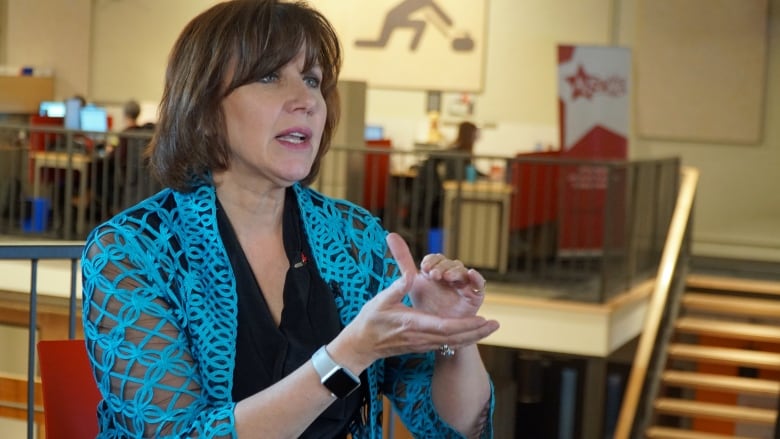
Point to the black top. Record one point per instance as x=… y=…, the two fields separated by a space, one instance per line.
x=266 y=353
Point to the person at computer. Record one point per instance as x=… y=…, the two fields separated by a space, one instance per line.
x=459 y=165
x=452 y=163
x=127 y=152
x=130 y=111
x=240 y=302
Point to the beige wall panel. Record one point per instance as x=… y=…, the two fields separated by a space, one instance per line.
x=131 y=41
x=3 y=29
x=52 y=35
x=701 y=69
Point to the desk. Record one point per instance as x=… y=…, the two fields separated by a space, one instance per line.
x=79 y=162
x=476 y=223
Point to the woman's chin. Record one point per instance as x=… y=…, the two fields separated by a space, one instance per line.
x=294 y=177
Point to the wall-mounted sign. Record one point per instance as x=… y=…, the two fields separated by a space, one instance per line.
x=411 y=44
x=594 y=86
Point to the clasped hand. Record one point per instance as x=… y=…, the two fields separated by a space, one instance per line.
x=445 y=296
x=442 y=286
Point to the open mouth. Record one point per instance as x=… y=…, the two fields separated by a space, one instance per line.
x=293 y=137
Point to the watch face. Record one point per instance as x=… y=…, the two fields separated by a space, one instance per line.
x=341 y=383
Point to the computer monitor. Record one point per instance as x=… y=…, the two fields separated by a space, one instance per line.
x=73 y=114
x=374 y=132
x=93 y=119
x=51 y=109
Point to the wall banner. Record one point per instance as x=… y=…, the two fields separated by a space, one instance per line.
x=594 y=88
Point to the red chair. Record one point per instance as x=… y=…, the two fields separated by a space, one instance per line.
x=534 y=209
x=535 y=195
x=70 y=395
x=377 y=170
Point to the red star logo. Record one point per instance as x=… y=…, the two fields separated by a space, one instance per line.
x=582 y=84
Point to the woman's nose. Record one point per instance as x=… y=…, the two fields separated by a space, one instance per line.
x=302 y=97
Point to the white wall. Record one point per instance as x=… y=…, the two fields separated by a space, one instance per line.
x=738 y=204
x=52 y=35
x=738 y=207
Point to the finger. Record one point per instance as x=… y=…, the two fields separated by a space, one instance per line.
x=468 y=337
x=423 y=333
x=478 y=282
x=431 y=260
x=464 y=337
x=439 y=267
x=395 y=292
x=401 y=253
x=466 y=279
x=445 y=326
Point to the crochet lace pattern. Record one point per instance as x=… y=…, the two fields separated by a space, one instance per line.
x=159 y=311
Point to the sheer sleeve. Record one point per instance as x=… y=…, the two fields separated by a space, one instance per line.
x=136 y=330
x=408 y=386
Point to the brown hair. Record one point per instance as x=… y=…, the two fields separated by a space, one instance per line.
x=467 y=135
x=131 y=109
x=229 y=45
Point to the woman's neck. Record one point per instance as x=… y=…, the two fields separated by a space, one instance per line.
x=252 y=212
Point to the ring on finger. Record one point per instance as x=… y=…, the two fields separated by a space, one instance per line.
x=479 y=290
x=446 y=351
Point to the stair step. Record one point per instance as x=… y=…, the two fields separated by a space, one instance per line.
x=735 y=330
x=731 y=305
x=698 y=409
x=736 y=305
x=725 y=383
x=736 y=357
x=739 y=285
x=676 y=433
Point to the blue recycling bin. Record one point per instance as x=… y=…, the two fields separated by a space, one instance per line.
x=36 y=216
x=436 y=241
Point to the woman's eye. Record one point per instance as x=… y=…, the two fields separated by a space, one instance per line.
x=267 y=79
x=312 y=81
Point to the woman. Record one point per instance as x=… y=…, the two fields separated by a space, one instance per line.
x=240 y=303
x=456 y=166
x=454 y=163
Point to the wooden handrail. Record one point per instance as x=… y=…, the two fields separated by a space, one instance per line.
x=669 y=258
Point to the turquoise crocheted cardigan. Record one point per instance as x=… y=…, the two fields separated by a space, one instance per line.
x=160 y=317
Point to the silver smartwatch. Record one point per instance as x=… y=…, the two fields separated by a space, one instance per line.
x=338 y=379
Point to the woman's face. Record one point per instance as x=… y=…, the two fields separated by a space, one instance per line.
x=274 y=125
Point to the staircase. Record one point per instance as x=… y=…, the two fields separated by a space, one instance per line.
x=722 y=373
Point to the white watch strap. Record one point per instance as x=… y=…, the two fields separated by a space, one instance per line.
x=323 y=363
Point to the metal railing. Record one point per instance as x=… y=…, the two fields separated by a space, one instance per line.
x=576 y=229
x=650 y=353
x=58 y=183
x=581 y=230
x=35 y=253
